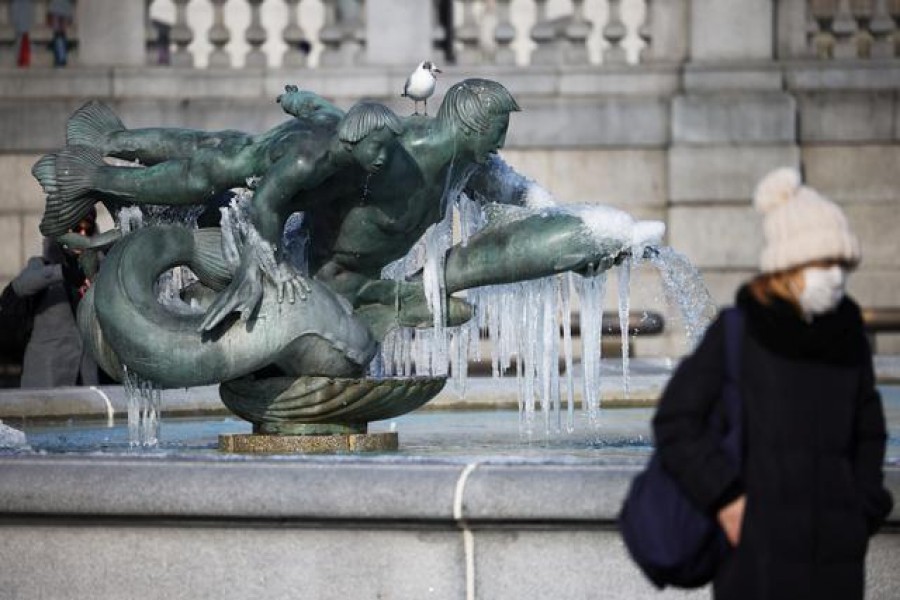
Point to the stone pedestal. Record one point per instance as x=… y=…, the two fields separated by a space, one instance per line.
x=398 y=32
x=731 y=30
x=111 y=33
x=253 y=443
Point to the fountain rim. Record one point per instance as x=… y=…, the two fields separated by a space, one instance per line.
x=271 y=489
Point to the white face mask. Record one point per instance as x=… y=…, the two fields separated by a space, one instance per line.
x=823 y=289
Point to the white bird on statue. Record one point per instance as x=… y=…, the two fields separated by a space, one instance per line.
x=420 y=85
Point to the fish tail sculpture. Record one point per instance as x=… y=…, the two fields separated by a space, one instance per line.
x=126 y=323
x=91 y=125
x=67 y=180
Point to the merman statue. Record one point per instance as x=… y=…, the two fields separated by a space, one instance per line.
x=369 y=185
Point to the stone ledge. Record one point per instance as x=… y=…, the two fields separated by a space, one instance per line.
x=717 y=78
x=843 y=75
x=301 y=489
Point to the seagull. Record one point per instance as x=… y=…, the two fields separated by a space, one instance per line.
x=420 y=85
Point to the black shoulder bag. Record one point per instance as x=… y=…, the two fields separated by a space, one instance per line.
x=672 y=541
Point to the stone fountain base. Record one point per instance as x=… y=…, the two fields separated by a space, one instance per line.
x=320 y=415
x=336 y=529
x=261 y=443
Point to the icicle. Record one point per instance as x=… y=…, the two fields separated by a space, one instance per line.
x=295 y=243
x=406 y=343
x=377 y=368
x=143 y=410
x=566 y=302
x=460 y=366
x=550 y=353
x=593 y=287
x=624 y=310
x=130 y=218
x=437 y=241
x=471 y=218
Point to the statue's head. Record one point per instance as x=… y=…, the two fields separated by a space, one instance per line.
x=478 y=112
x=368 y=131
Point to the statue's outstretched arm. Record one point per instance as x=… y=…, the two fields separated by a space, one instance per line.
x=549 y=241
x=496 y=181
x=533 y=247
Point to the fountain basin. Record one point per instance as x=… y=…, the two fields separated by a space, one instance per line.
x=496 y=518
x=117 y=527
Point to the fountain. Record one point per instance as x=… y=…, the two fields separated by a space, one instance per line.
x=371 y=331
x=299 y=342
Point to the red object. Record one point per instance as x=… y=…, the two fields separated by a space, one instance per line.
x=24 y=58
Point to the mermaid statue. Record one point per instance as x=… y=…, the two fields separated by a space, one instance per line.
x=368 y=183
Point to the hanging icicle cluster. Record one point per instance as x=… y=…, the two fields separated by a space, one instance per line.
x=529 y=324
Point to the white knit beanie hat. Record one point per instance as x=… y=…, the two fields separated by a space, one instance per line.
x=800 y=225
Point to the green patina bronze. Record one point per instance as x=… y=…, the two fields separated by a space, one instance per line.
x=369 y=184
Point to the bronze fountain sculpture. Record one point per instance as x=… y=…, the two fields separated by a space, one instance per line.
x=290 y=347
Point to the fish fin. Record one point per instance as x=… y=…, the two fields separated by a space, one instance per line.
x=207 y=261
x=67 y=179
x=90 y=124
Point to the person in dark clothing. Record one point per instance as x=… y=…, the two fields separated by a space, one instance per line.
x=54 y=285
x=799 y=513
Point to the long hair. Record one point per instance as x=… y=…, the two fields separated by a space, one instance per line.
x=365 y=117
x=785 y=285
x=471 y=104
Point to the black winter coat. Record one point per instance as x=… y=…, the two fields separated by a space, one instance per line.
x=814 y=443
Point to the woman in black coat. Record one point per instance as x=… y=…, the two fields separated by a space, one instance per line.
x=799 y=513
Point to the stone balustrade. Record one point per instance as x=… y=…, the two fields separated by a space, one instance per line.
x=322 y=33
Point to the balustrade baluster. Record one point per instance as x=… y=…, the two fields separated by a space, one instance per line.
x=543 y=33
x=355 y=26
x=504 y=34
x=41 y=34
x=468 y=36
x=823 y=11
x=862 y=11
x=894 y=11
x=844 y=29
x=614 y=33
x=343 y=34
x=645 y=33
x=577 y=32
x=182 y=36
x=256 y=37
x=294 y=37
x=812 y=34
x=881 y=28
x=439 y=40
x=330 y=35
x=150 y=37
x=7 y=36
x=219 y=36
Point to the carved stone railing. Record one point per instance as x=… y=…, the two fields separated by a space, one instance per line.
x=223 y=34
x=839 y=29
x=311 y=33
x=40 y=35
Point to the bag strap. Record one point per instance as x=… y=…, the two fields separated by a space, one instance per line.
x=734 y=337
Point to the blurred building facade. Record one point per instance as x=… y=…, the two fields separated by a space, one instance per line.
x=669 y=109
